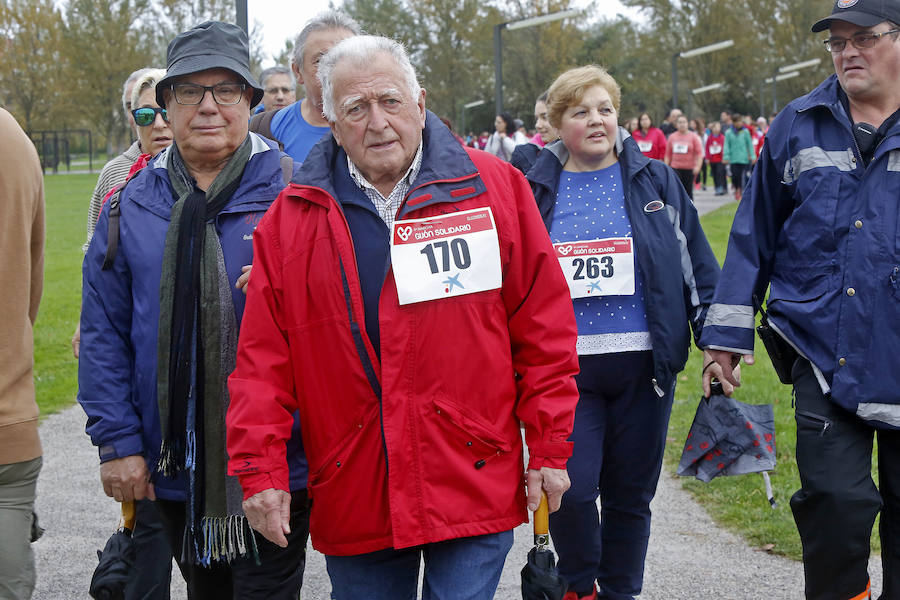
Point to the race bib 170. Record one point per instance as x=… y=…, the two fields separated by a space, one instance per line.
x=446 y=255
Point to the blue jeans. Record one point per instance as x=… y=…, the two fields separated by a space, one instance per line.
x=619 y=437
x=461 y=569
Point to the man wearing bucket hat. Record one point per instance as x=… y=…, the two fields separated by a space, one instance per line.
x=818 y=226
x=162 y=306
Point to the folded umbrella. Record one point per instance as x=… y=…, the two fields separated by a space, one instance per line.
x=116 y=561
x=729 y=437
x=540 y=580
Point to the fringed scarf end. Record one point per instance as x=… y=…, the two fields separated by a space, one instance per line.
x=227 y=538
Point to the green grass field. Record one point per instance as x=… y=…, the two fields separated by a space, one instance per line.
x=67 y=199
x=738 y=503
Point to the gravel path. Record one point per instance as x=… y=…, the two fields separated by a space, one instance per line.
x=689 y=556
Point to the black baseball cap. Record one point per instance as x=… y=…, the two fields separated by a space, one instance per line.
x=210 y=45
x=864 y=13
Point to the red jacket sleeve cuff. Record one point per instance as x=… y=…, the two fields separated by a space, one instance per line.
x=549 y=454
x=254 y=483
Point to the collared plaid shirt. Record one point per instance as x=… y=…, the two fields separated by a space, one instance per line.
x=387 y=207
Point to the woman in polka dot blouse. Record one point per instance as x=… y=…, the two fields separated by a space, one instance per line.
x=641 y=275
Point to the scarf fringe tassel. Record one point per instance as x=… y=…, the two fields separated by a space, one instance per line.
x=227 y=538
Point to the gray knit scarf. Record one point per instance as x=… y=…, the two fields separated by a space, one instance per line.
x=196 y=352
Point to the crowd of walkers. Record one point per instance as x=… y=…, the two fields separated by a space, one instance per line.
x=335 y=319
x=701 y=153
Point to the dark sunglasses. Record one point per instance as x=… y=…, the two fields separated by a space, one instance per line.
x=145 y=116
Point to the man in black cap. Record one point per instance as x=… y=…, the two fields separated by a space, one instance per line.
x=162 y=305
x=818 y=225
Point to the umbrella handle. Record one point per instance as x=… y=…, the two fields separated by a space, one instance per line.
x=542 y=517
x=128 y=515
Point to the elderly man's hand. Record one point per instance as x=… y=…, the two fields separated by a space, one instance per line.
x=127 y=479
x=554 y=481
x=269 y=512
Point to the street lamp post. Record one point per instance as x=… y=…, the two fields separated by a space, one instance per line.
x=786 y=72
x=240 y=13
x=773 y=81
x=465 y=106
x=689 y=54
x=702 y=90
x=498 y=46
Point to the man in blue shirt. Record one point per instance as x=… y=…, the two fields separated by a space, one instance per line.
x=301 y=125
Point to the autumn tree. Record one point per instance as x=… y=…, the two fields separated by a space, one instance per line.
x=105 y=41
x=31 y=62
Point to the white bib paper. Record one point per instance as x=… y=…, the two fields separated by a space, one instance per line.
x=645 y=146
x=680 y=148
x=444 y=256
x=598 y=267
x=715 y=148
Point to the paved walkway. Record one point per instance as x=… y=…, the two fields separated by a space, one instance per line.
x=689 y=556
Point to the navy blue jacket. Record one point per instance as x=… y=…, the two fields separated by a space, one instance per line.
x=676 y=263
x=120 y=307
x=821 y=230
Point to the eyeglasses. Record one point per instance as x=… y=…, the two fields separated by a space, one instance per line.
x=147 y=115
x=274 y=90
x=860 y=41
x=223 y=93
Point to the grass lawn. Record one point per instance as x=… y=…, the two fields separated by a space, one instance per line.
x=67 y=199
x=739 y=503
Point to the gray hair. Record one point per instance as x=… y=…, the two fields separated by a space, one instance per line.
x=146 y=81
x=330 y=19
x=131 y=79
x=358 y=50
x=276 y=70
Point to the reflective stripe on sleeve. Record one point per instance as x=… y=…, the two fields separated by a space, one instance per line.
x=730 y=315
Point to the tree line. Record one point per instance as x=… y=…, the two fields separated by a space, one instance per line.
x=63 y=62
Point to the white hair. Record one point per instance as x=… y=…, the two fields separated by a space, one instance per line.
x=330 y=19
x=359 y=50
x=131 y=78
x=146 y=81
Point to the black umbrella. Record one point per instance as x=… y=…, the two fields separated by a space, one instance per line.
x=116 y=560
x=540 y=580
x=729 y=437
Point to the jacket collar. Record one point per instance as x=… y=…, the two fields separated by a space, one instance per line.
x=151 y=189
x=447 y=174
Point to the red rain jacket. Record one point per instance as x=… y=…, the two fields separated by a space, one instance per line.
x=423 y=445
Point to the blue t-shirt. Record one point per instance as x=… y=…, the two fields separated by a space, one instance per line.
x=591 y=206
x=298 y=136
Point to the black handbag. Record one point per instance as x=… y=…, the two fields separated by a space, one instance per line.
x=780 y=352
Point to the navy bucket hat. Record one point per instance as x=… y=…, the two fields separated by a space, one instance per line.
x=210 y=45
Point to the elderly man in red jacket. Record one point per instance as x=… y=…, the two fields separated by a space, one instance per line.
x=405 y=298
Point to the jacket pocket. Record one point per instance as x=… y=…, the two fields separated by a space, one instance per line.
x=810 y=230
x=351 y=448
x=810 y=422
x=468 y=434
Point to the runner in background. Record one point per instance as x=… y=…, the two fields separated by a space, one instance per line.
x=715 y=144
x=684 y=153
x=650 y=139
